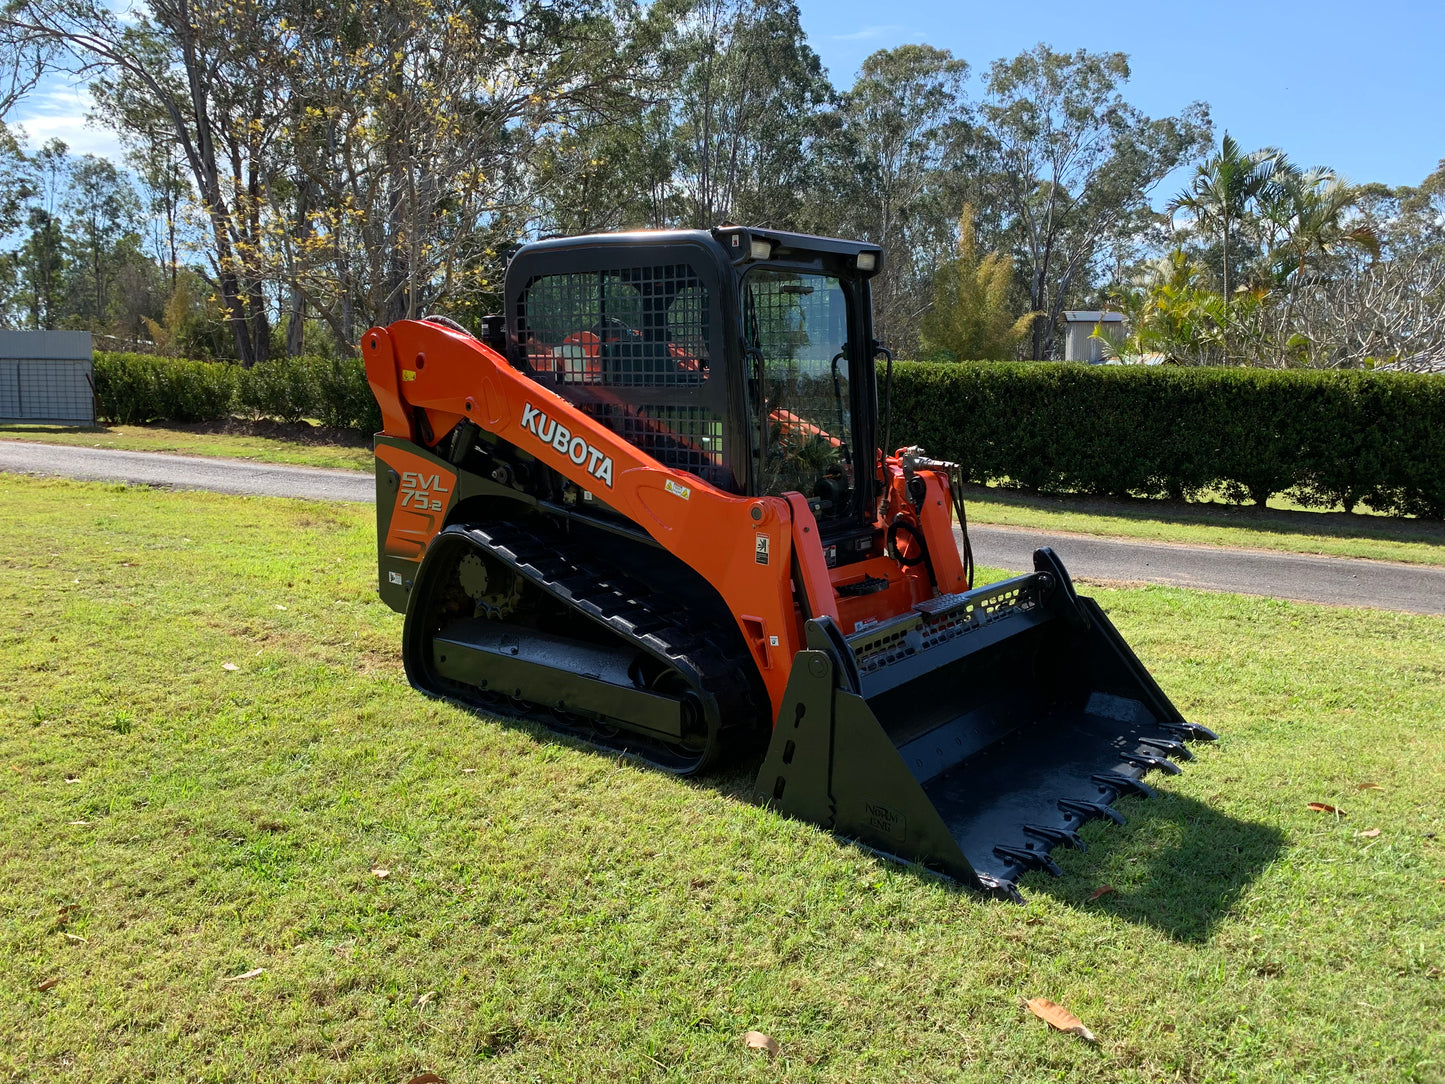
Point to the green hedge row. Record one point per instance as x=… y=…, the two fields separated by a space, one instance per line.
x=138 y=388
x=1325 y=438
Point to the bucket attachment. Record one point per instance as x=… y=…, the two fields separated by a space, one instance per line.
x=975 y=733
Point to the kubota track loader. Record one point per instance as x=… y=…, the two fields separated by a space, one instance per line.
x=646 y=508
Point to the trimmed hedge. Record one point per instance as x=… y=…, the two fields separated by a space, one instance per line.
x=137 y=388
x=1326 y=438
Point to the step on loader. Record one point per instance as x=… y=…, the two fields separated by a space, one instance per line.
x=646 y=508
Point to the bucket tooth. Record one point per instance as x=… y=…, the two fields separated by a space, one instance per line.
x=1123 y=784
x=1164 y=764
x=1190 y=731
x=1089 y=810
x=1028 y=859
x=1055 y=837
x=1176 y=749
x=1000 y=887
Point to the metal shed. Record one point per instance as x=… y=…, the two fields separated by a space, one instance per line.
x=46 y=377
x=1079 y=324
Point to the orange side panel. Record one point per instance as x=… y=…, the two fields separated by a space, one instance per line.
x=423 y=498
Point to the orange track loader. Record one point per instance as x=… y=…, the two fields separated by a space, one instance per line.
x=646 y=508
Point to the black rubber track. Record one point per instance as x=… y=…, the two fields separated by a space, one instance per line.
x=709 y=657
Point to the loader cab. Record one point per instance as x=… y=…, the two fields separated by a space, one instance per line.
x=742 y=356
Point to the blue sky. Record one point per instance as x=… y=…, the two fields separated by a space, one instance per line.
x=1357 y=87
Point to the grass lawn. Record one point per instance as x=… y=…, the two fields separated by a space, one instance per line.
x=299 y=444
x=168 y=824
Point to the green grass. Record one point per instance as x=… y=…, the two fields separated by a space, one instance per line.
x=299 y=444
x=554 y=914
x=1279 y=526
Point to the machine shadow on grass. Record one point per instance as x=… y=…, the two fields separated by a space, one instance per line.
x=1188 y=863
x=1182 y=865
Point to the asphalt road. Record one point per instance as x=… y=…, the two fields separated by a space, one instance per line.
x=1338 y=581
x=238 y=476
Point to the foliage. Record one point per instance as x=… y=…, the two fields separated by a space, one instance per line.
x=745 y=108
x=1329 y=438
x=1222 y=189
x=321 y=169
x=1285 y=285
x=138 y=388
x=896 y=133
x=971 y=316
x=1073 y=163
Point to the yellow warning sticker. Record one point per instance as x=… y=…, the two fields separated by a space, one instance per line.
x=678 y=491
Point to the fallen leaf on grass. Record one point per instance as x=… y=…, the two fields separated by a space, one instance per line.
x=1321 y=807
x=76 y=938
x=279 y=606
x=380 y=873
x=756 y=1040
x=468 y=771
x=1056 y=1016
x=1369 y=786
x=17 y=769
x=421 y=1002
x=426 y=1078
x=255 y=972
x=229 y=666
x=48 y=983
x=1102 y=890
x=81 y=823
x=1368 y=833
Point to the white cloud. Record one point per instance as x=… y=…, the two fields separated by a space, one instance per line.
x=57 y=110
x=867 y=33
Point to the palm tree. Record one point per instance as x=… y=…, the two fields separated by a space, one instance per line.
x=1223 y=187
x=1310 y=215
x=1318 y=203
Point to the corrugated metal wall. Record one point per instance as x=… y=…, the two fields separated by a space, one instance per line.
x=45 y=376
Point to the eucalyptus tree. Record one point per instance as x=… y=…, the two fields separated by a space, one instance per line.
x=185 y=65
x=745 y=107
x=369 y=158
x=17 y=181
x=1072 y=164
x=888 y=179
x=103 y=212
